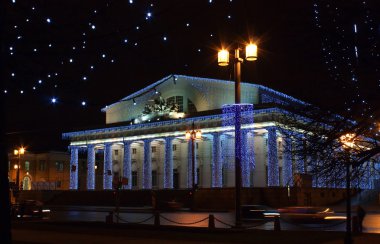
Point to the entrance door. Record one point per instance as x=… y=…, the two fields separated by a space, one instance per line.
x=26 y=183
x=175 y=179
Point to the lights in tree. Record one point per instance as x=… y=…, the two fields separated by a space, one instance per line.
x=39 y=81
x=93 y=27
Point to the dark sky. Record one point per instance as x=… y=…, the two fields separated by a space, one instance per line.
x=42 y=36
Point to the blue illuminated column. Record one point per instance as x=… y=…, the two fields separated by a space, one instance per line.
x=245 y=159
x=168 y=165
x=300 y=164
x=74 y=168
x=127 y=164
x=147 y=167
x=251 y=155
x=189 y=164
x=107 y=170
x=273 y=174
x=90 y=167
x=216 y=166
x=287 y=164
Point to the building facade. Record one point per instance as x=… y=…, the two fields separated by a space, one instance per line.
x=144 y=139
x=40 y=171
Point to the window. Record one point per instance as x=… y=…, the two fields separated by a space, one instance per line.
x=27 y=165
x=42 y=165
x=59 y=184
x=134 y=150
x=116 y=152
x=134 y=178
x=154 y=149
x=174 y=147
x=175 y=179
x=59 y=166
x=176 y=100
x=196 y=145
x=154 y=178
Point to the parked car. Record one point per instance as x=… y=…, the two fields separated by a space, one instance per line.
x=29 y=209
x=258 y=212
x=309 y=215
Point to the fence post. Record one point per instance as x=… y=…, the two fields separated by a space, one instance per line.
x=355 y=224
x=277 y=225
x=211 y=221
x=109 y=218
x=156 y=218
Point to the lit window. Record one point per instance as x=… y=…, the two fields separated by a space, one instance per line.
x=27 y=165
x=59 y=166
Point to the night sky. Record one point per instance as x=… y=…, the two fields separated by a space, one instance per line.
x=87 y=54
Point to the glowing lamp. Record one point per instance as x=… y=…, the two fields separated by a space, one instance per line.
x=198 y=134
x=15 y=166
x=188 y=135
x=22 y=150
x=251 y=52
x=15 y=152
x=223 y=57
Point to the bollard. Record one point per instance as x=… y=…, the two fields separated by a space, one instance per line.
x=156 y=218
x=277 y=225
x=211 y=221
x=109 y=218
x=355 y=224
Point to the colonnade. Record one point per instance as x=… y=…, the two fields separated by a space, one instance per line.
x=216 y=161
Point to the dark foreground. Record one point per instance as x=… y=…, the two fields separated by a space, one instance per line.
x=85 y=232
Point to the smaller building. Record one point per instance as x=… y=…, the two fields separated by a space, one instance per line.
x=40 y=171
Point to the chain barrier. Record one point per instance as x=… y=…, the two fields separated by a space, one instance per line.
x=313 y=227
x=178 y=223
x=130 y=222
x=220 y=221
x=259 y=224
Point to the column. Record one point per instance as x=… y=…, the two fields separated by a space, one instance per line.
x=168 y=164
x=189 y=164
x=245 y=159
x=273 y=178
x=107 y=169
x=251 y=157
x=216 y=166
x=74 y=168
x=147 y=166
x=90 y=167
x=127 y=164
x=287 y=164
x=299 y=155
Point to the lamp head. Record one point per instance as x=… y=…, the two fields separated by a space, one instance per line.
x=223 y=57
x=251 y=52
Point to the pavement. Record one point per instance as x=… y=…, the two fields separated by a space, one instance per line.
x=97 y=232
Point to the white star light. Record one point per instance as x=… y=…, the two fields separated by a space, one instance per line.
x=49 y=45
x=70 y=60
x=83 y=103
x=93 y=27
x=130 y=1
x=22 y=92
x=84 y=78
x=53 y=100
x=48 y=20
x=91 y=67
x=39 y=81
x=13 y=74
x=103 y=56
x=5 y=91
x=165 y=38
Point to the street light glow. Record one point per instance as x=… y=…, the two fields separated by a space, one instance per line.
x=223 y=57
x=251 y=52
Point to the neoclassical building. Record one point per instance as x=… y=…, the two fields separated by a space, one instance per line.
x=144 y=138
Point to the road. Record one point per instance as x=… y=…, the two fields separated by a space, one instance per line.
x=371 y=222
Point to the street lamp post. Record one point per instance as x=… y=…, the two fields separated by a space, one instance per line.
x=223 y=60
x=18 y=152
x=348 y=143
x=193 y=135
